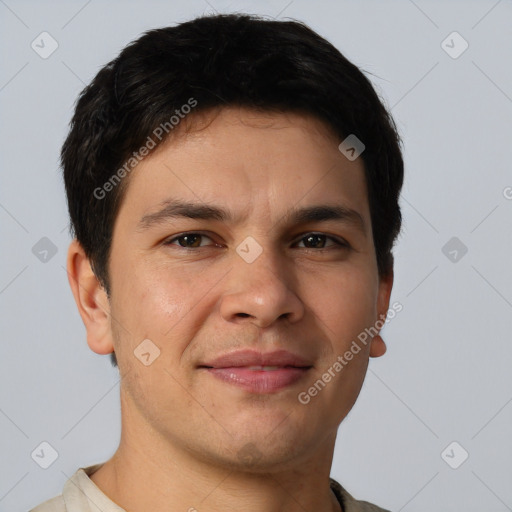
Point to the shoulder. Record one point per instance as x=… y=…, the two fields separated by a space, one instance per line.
x=78 y=495
x=52 y=505
x=349 y=503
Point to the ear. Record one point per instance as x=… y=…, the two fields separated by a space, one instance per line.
x=378 y=346
x=91 y=300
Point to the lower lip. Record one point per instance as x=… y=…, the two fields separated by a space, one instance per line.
x=259 y=381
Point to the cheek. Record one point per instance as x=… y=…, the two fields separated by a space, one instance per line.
x=160 y=303
x=345 y=306
x=154 y=305
x=345 y=301
x=151 y=293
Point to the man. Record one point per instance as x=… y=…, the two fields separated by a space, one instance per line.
x=233 y=189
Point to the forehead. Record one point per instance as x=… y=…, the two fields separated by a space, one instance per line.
x=261 y=162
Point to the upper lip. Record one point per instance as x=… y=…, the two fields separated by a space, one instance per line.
x=241 y=358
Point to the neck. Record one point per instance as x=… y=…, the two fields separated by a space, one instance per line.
x=140 y=479
x=140 y=488
x=150 y=472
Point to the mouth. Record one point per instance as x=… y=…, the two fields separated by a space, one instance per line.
x=258 y=372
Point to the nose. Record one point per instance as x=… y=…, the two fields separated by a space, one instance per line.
x=261 y=292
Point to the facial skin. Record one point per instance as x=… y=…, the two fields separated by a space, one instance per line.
x=184 y=432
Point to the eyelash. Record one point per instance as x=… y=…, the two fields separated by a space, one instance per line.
x=342 y=244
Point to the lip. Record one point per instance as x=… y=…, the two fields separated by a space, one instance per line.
x=242 y=358
x=245 y=369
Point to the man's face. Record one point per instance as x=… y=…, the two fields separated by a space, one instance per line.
x=262 y=280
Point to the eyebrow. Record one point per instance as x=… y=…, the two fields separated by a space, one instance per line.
x=174 y=208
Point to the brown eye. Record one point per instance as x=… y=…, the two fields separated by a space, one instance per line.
x=318 y=241
x=315 y=241
x=188 y=240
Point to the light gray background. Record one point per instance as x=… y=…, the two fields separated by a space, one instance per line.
x=447 y=374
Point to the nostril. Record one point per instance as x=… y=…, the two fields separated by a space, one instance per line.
x=244 y=315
